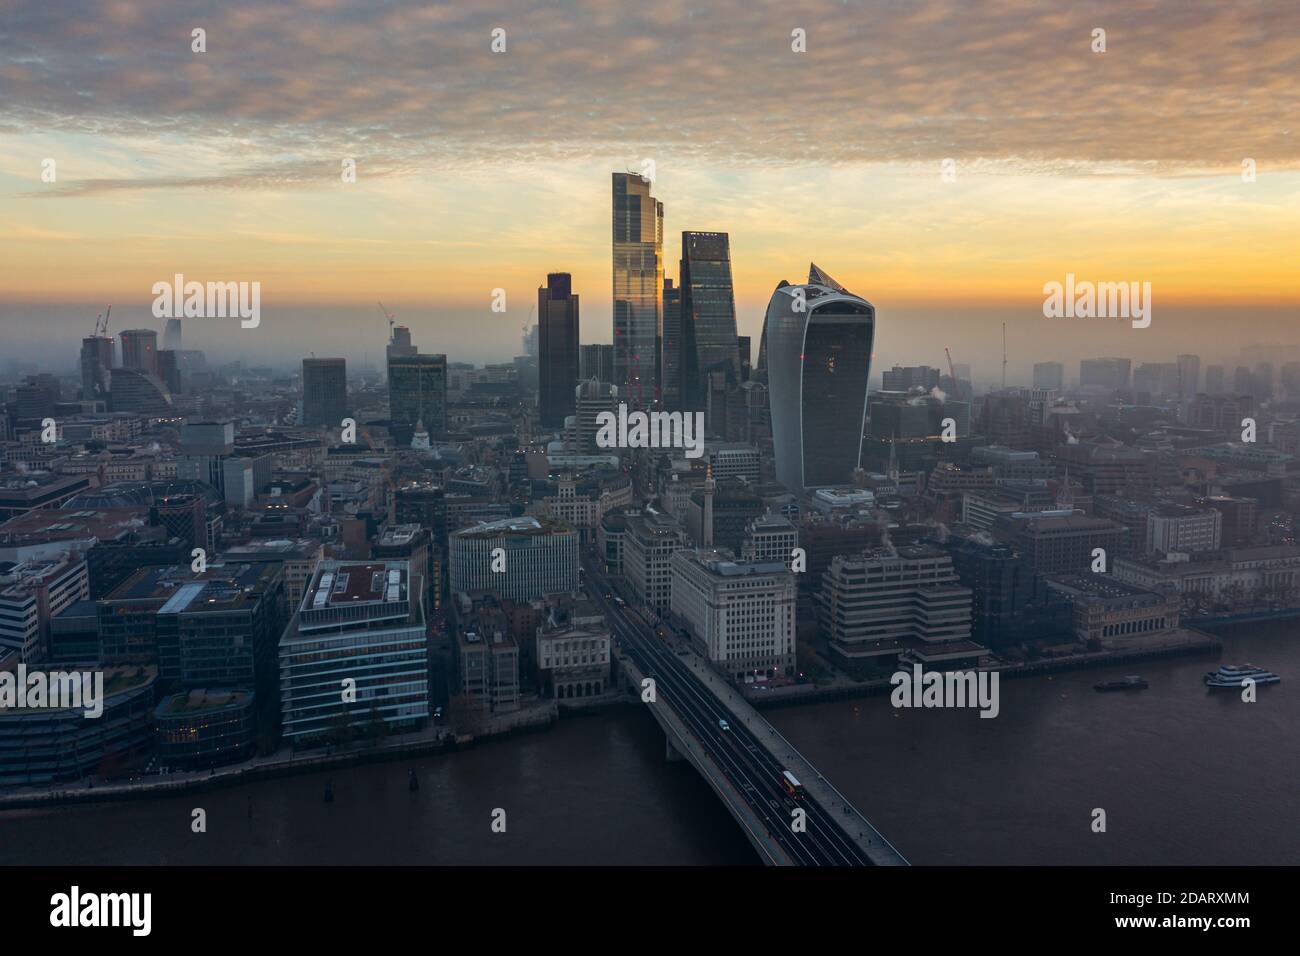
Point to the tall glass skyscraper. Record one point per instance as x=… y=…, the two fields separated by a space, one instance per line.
x=816 y=346
x=557 y=338
x=638 y=288
x=709 y=342
x=670 y=357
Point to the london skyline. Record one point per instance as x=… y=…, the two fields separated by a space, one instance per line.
x=168 y=161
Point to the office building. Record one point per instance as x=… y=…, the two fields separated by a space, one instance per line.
x=557 y=359
x=893 y=602
x=32 y=593
x=417 y=392
x=40 y=746
x=1049 y=375
x=818 y=340
x=1108 y=373
x=140 y=350
x=740 y=613
x=1189 y=376
x=596 y=361
x=638 y=234
x=536 y=557
x=648 y=543
x=96 y=364
x=708 y=318
x=1173 y=528
x=139 y=391
x=324 y=392
x=362 y=622
x=670 y=358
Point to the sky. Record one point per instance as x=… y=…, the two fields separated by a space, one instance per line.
x=479 y=170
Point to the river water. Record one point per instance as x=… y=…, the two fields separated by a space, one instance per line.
x=1184 y=777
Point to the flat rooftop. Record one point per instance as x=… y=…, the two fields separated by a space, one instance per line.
x=356 y=583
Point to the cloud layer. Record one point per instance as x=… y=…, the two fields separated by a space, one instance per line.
x=411 y=84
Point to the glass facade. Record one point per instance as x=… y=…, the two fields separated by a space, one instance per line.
x=709 y=342
x=816 y=347
x=557 y=337
x=638 y=288
x=671 y=354
x=324 y=392
x=417 y=391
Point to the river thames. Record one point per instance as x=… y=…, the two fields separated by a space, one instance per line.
x=1185 y=776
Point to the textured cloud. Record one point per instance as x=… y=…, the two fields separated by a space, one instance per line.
x=1183 y=85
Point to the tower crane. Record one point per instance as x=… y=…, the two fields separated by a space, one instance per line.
x=392 y=319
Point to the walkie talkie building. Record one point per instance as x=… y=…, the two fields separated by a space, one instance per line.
x=817 y=341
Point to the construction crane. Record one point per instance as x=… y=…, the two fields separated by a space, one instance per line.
x=952 y=371
x=392 y=319
x=101 y=322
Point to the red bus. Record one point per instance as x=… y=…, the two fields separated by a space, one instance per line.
x=791 y=784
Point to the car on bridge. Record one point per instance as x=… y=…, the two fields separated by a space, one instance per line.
x=724 y=725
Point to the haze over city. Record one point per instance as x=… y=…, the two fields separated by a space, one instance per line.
x=478 y=171
x=843 y=434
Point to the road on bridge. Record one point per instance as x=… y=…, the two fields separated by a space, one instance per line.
x=745 y=761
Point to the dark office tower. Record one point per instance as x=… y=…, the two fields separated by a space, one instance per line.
x=1241 y=380
x=1049 y=375
x=1214 y=379
x=709 y=342
x=638 y=288
x=1263 y=381
x=670 y=358
x=400 y=342
x=140 y=350
x=596 y=361
x=557 y=346
x=900 y=379
x=172 y=335
x=324 y=392
x=36 y=398
x=1189 y=375
x=96 y=362
x=817 y=347
x=169 y=370
x=417 y=391
x=1109 y=373
x=745 y=347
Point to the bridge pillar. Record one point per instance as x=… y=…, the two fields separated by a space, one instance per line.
x=671 y=754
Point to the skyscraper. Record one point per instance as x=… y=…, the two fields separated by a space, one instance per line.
x=172 y=338
x=709 y=342
x=596 y=361
x=745 y=345
x=1049 y=375
x=638 y=287
x=817 y=341
x=1214 y=379
x=1105 y=372
x=557 y=343
x=324 y=392
x=417 y=391
x=1189 y=375
x=96 y=363
x=670 y=352
x=399 y=342
x=140 y=350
